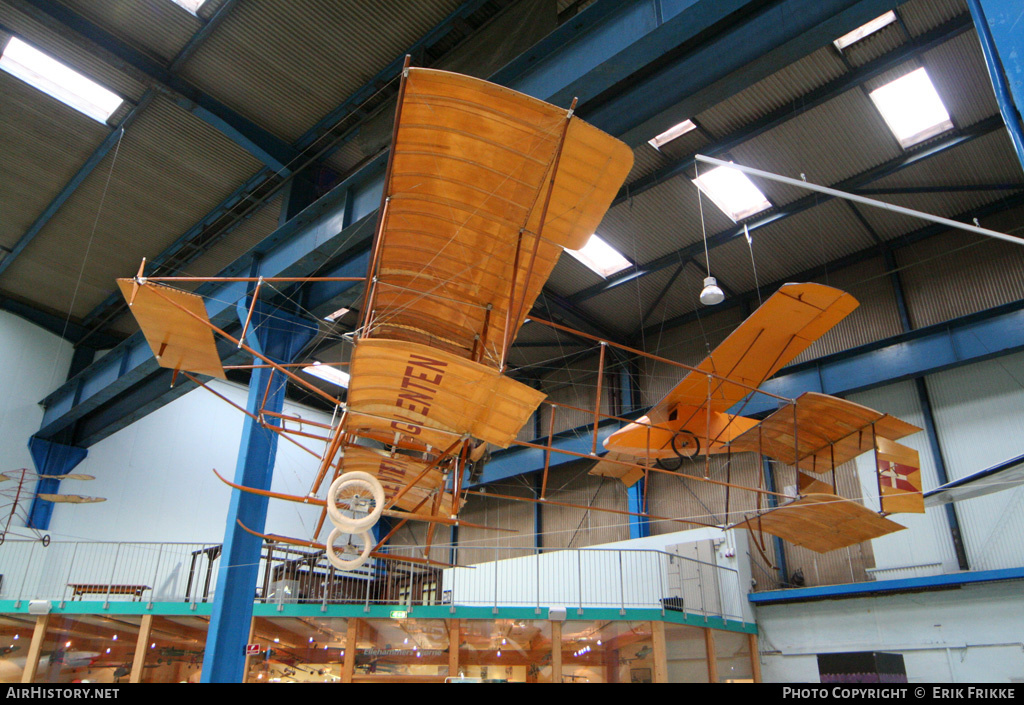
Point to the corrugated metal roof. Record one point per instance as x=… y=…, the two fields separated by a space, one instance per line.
x=160 y=27
x=170 y=170
x=286 y=65
x=837 y=140
x=773 y=92
x=45 y=144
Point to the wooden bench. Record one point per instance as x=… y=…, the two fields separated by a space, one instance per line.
x=80 y=589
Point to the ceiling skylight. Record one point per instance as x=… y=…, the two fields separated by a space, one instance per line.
x=336 y=315
x=672 y=133
x=600 y=257
x=864 y=30
x=191 y=5
x=732 y=192
x=54 y=78
x=912 y=108
x=328 y=373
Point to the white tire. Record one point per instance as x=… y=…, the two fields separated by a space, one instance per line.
x=362 y=482
x=339 y=562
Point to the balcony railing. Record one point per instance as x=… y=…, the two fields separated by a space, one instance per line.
x=183 y=572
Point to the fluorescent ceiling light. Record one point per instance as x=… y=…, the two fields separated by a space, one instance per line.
x=191 y=5
x=672 y=133
x=732 y=192
x=54 y=78
x=600 y=257
x=864 y=30
x=912 y=108
x=328 y=373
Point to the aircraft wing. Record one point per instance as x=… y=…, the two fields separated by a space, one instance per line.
x=822 y=522
x=822 y=432
x=485 y=187
x=783 y=327
x=472 y=164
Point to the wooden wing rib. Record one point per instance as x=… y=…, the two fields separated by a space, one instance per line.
x=179 y=341
x=783 y=327
x=822 y=523
x=471 y=166
x=828 y=432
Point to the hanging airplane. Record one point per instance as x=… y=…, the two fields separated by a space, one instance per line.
x=484 y=189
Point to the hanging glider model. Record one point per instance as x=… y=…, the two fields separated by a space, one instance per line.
x=14 y=491
x=484 y=189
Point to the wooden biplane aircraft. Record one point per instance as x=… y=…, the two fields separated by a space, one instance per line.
x=484 y=189
x=14 y=491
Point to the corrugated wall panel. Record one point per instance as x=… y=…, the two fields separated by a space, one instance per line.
x=922 y=15
x=688 y=344
x=978 y=417
x=926 y=547
x=568 y=527
x=773 y=92
x=483 y=545
x=956 y=274
x=876 y=318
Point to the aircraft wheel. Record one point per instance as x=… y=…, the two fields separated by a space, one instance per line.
x=339 y=562
x=684 y=445
x=355 y=489
x=46 y=540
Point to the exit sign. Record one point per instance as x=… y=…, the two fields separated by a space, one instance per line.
x=399 y=614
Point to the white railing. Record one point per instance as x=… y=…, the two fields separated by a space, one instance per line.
x=81 y=570
x=174 y=572
x=587 y=578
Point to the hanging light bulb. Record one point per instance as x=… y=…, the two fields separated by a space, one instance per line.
x=712 y=293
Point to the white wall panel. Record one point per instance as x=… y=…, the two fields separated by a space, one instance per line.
x=967 y=635
x=926 y=547
x=157 y=476
x=979 y=416
x=32 y=363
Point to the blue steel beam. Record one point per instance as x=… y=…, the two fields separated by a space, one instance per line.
x=199 y=37
x=263 y=145
x=1004 y=25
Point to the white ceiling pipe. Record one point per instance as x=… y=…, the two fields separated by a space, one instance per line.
x=861 y=199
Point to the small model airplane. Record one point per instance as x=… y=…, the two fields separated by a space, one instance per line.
x=484 y=189
x=816 y=433
x=13 y=492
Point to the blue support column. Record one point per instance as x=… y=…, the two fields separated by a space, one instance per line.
x=999 y=31
x=639 y=527
x=281 y=337
x=50 y=459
